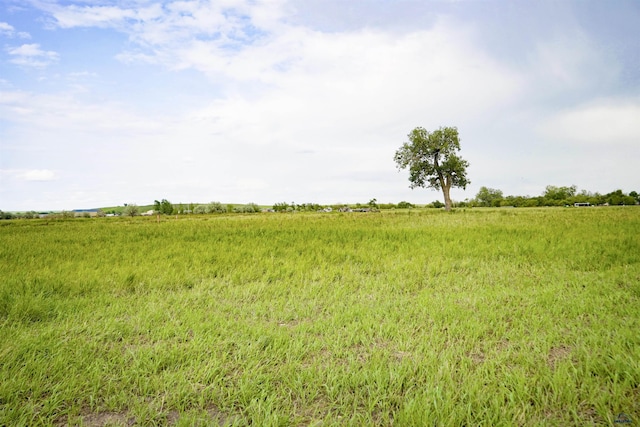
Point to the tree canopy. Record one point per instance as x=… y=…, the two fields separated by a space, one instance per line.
x=163 y=207
x=489 y=197
x=432 y=160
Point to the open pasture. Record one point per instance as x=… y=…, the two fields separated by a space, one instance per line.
x=479 y=317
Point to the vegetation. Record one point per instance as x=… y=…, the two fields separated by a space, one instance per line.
x=131 y=210
x=486 y=197
x=415 y=317
x=489 y=197
x=432 y=160
x=250 y=208
x=163 y=207
x=554 y=196
x=213 y=207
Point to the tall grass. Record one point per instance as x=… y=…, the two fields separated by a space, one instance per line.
x=478 y=317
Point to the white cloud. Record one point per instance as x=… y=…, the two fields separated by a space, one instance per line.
x=91 y=16
x=8 y=30
x=66 y=113
x=611 y=123
x=30 y=55
x=30 y=174
x=570 y=67
x=38 y=175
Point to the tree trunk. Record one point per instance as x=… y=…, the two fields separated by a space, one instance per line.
x=447 y=199
x=445 y=184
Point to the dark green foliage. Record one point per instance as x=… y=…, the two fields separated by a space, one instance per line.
x=6 y=215
x=164 y=206
x=405 y=205
x=617 y=198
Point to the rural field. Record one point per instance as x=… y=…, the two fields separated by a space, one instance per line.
x=490 y=317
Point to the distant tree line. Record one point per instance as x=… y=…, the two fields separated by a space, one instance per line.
x=55 y=215
x=554 y=196
x=486 y=197
x=315 y=207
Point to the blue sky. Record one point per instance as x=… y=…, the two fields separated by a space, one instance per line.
x=106 y=102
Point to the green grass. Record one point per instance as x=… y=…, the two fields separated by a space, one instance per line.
x=477 y=317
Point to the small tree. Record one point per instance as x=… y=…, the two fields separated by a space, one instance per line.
x=67 y=214
x=432 y=160
x=163 y=207
x=131 y=210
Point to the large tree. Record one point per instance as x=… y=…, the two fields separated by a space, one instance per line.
x=432 y=160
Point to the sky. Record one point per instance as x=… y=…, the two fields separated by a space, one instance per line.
x=107 y=102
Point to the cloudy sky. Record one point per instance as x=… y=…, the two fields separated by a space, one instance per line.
x=106 y=102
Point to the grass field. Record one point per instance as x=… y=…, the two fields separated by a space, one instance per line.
x=479 y=317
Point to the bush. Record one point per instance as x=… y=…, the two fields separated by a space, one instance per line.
x=67 y=215
x=405 y=205
x=6 y=215
x=131 y=210
x=200 y=209
x=249 y=208
x=215 y=207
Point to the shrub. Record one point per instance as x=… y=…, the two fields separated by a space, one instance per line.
x=249 y=208
x=131 y=210
x=200 y=209
x=6 y=215
x=215 y=207
x=405 y=205
x=67 y=215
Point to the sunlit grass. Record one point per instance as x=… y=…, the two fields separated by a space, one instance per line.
x=478 y=317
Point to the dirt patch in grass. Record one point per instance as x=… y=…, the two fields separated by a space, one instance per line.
x=558 y=354
x=214 y=416
x=102 y=419
x=477 y=357
x=401 y=356
x=172 y=417
x=220 y=418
